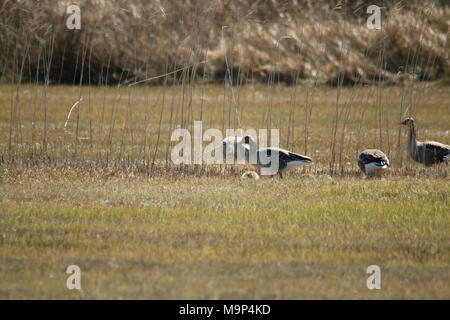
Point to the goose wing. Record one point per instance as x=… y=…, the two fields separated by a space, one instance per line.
x=439 y=149
x=298 y=157
x=287 y=156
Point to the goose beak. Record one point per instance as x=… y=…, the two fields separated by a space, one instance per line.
x=403 y=122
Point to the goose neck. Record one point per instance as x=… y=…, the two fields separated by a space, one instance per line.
x=412 y=134
x=412 y=142
x=252 y=145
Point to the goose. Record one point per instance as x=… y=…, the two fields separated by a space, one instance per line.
x=427 y=152
x=286 y=159
x=373 y=162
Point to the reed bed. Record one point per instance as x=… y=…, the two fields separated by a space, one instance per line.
x=324 y=41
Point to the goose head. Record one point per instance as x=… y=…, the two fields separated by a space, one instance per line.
x=408 y=122
x=248 y=140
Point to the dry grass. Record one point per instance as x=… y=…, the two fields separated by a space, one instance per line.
x=266 y=40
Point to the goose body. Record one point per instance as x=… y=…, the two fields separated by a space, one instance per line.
x=373 y=162
x=427 y=152
x=286 y=159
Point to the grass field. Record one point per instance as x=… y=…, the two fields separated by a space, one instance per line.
x=87 y=194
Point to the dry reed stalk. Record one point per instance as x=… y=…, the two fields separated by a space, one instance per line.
x=160 y=123
x=48 y=58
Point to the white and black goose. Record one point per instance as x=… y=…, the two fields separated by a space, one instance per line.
x=373 y=162
x=260 y=158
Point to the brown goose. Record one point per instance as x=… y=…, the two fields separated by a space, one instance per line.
x=427 y=152
x=286 y=159
x=373 y=162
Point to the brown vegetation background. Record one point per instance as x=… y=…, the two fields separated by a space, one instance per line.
x=276 y=41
